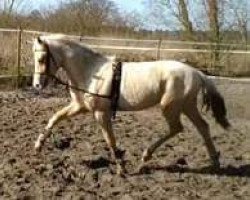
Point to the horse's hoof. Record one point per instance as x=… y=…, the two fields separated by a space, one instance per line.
x=142 y=169
x=120 y=170
x=216 y=161
x=37 y=150
x=37 y=147
x=119 y=153
x=139 y=169
x=216 y=165
x=146 y=156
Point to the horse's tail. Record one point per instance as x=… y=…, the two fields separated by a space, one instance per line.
x=212 y=99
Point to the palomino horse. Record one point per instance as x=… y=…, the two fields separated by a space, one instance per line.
x=173 y=85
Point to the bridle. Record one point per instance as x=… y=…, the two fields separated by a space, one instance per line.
x=50 y=58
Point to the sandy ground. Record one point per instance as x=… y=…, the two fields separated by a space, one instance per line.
x=75 y=162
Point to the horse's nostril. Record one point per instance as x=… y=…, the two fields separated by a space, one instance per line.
x=37 y=85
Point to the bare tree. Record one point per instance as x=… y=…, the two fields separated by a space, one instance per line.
x=240 y=12
x=184 y=18
x=8 y=6
x=225 y=17
x=10 y=11
x=213 y=16
x=89 y=17
x=82 y=16
x=175 y=8
x=215 y=21
x=13 y=6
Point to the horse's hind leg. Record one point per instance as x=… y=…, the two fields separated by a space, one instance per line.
x=193 y=114
x=68 y=111
x=171 y=112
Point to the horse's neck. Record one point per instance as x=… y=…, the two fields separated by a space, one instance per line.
x=81 y=75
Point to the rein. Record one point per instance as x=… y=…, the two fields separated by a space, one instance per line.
x=59 y=81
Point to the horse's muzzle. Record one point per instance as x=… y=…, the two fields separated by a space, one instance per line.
x=40 y=81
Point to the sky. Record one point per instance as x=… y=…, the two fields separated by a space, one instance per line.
x=39 y=4
x=128 y=5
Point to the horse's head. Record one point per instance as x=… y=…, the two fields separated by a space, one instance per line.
x=45 y=64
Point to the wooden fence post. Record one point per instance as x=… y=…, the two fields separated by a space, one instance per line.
x=18 y=58
x=158 y=53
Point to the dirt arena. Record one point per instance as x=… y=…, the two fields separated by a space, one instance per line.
x=75 y=164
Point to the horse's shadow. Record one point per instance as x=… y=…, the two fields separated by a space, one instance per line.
x=240 y=171
x=230 y=171
x=97 y=163
x=104 y=161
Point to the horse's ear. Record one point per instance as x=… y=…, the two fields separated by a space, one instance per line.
x=39 y=40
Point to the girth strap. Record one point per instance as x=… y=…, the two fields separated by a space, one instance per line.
x=115 y=88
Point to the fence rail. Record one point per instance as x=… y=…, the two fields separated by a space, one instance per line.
x=16 y=58
x=128 y=39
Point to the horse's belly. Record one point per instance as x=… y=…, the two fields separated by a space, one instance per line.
x=138 y=99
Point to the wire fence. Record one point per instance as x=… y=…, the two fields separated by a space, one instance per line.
x=16 y=58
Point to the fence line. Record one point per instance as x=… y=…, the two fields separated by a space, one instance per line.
x=132 y=40
x=165 y=41
x=8 y=30
x=234 y=80
x=163 y=49
x=156 y=48
x=158 y=43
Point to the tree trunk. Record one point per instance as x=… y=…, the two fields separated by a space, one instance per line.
x=214 y=27
x=184 y=18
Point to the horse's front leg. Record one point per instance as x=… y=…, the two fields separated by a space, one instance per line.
x=68 y=111
x=104 y=119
